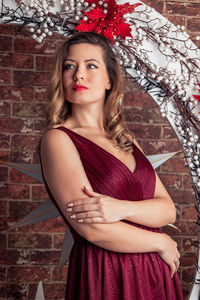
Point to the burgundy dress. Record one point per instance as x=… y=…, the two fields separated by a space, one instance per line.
x=99 y=274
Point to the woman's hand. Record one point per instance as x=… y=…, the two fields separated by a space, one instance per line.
x=169 y=253
x=97 y=208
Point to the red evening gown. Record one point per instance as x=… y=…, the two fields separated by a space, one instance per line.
x=98 y=274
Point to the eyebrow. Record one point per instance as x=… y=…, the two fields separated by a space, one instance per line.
x=91 y=59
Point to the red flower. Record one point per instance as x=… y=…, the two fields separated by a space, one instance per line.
x=197 y=97
x=109 y=24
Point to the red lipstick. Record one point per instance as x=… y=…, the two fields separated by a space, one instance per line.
x=79 y=88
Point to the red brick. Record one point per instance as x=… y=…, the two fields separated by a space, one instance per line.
x=41 y=94
x=5 y=76
x=174 y=164
x=2 y=274
x=190 y=244
x=174 y=8
x=152 y=116
x=188 y=259
x=44 y=257
x=168 y=132
x=44 y=62
x=192 y=9
x=19 y=177
x=21 y=32
x=135 y=98
x=12 y=222
x=57 y=292
x=5 y=43
x=34 y=110
x=3 y=173
x=4 y=224
x=5 y=109
x=26 y=274
x=24 y=142
x=36 y=159
x=22 y=61
x=145 y=132
x=187 y=276
x=4 y=156
x=156 y=4
x=182 y=196
x=60 y=275
x=16 y=191
x=159 y=146
x=39 y=126
x=16 y=93
x=5 y=60
x=133 y=114
x=53 y=225
x=30 y=46
x=30 y=78
x=189 y=213
x=171 y=180
x=177 y=20
x=6 y=29
x=14 y=290
x=3 y=190
x=193 y=24
x=39 y=192
x=186 y=290
x=4 y=141
x=21 y=156
x=187 y=181
x=58 y=241
x=13 y=257
x=188 y=228
x=3 y=208
x=40 y=241
x=15 y=125
x=3 y=239
x=24 y=207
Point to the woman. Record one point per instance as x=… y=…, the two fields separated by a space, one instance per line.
x=107 y=191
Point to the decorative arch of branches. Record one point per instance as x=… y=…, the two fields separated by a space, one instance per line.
x=160 y=56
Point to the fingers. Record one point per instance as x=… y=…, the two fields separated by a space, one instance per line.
x=83 y=208
x=90 y=192
x=85 y=215
x=174 y=266
x=82 y=201
x=172 y=269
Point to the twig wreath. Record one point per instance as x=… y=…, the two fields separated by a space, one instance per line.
x=157 y=54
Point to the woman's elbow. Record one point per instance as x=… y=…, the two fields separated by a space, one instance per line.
x=93 y=234
x=172 y=214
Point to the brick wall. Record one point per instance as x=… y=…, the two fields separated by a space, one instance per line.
x=31 y=253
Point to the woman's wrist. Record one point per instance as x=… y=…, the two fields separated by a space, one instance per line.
x=127 y=209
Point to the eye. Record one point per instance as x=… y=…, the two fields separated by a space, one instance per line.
x=92 y=66
x=68 y=66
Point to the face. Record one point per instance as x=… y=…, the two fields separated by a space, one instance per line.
x=85 y=78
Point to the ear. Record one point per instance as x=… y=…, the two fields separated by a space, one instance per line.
x=108 y=86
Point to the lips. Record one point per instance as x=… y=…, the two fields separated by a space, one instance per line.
x=79 y=88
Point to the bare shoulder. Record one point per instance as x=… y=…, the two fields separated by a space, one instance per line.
x=57 y=141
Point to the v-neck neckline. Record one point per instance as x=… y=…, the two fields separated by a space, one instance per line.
x=107 y=152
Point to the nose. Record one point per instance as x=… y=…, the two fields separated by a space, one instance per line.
x=79 y=73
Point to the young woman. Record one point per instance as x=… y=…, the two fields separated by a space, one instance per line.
x=106 y=189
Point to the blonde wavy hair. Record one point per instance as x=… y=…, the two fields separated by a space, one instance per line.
x=59 y=108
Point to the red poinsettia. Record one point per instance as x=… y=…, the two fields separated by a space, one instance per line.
x=107 y=20
x=197 y=97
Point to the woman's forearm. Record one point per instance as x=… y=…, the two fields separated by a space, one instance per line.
x=122 y=237
x=155 y=212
